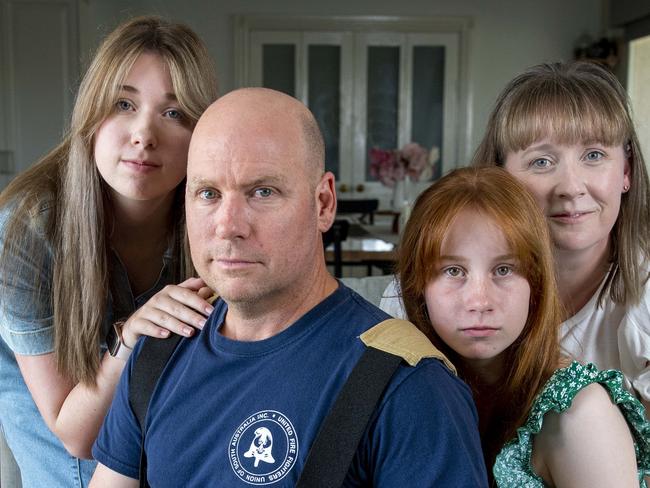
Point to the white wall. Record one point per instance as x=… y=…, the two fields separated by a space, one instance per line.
x=38 y=78
x=507 y=35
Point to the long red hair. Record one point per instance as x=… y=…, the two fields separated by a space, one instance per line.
x=535 y=354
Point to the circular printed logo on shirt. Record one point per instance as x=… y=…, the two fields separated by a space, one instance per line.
x=263 y=448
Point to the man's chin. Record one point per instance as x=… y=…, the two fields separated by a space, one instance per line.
x=240 y=293
x=230 y=284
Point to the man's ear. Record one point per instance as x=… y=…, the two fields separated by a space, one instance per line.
x=326 y=201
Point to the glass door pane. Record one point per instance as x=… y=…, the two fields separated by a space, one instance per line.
x=324 y=98
x=428 y=98
x=279 y=67
x=275 y=62
x=432 y=103
x=382 y=99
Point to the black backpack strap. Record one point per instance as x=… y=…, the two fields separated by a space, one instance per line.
x=388 y=343
x=331 y=453
x=147 y=369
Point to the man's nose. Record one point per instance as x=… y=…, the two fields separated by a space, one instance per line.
x=232 y=218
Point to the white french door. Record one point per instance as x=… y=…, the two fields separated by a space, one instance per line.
x=367 y=89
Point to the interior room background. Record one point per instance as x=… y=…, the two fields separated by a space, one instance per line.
x=45 y=45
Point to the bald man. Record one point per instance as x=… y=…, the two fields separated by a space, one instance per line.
x=240 y=403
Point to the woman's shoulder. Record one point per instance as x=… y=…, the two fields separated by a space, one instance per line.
x=571 y=388
x=584 y=389
x=579 y=408
x=590 y=442
x=32 y=215
x=590 y=404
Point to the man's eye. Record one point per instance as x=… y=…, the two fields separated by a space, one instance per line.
x=503 y=270
x=207 y=194
x=263 y=192
x=124 y=105
x=453 y=271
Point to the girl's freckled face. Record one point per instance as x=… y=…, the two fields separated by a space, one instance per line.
x=478 y=300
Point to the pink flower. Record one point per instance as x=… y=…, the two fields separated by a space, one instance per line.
x=383 y=163
x=416 y=159
x=391 y=165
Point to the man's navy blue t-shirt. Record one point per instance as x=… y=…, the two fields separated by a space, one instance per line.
x=239 y=414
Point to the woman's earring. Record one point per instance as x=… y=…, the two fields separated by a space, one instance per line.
x=625 y=188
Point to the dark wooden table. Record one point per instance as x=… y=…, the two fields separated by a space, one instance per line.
x=367 y=246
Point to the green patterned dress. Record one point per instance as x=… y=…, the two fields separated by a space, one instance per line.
x=513 y=468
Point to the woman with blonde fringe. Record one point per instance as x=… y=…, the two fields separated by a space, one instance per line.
x=566 y=132
x=92 y=238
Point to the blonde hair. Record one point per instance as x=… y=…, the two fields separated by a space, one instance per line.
x=572 y=103
x=67 y=179
x=534 y=356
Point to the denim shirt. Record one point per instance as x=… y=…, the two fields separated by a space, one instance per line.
x=26 y=328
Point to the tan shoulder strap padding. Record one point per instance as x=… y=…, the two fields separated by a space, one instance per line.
x=402 y=338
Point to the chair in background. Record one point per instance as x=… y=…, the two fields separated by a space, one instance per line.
x=364 y=208
x=335 y=235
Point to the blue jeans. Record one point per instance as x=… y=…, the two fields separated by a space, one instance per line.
x=43 y=460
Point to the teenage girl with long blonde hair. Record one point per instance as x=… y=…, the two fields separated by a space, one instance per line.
x=91 y=233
